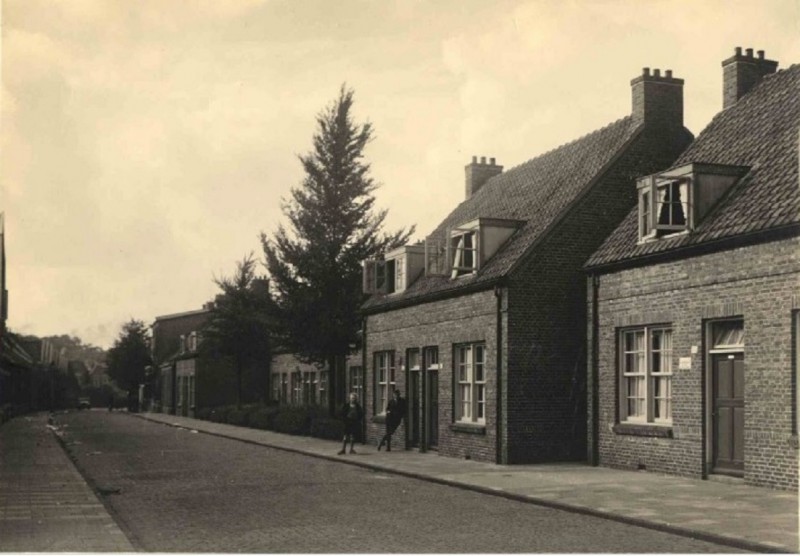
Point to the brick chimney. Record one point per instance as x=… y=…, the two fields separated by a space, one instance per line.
x=657 y=99
x=477 y=173
x=741 y=72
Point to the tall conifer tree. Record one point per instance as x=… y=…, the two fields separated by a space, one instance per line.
x=315 y=266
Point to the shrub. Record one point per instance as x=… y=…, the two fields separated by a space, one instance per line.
x=327 y=427
x=203 y=413
x=220 y=414
x=262 y=418
x=238 y=417
x=292 y=420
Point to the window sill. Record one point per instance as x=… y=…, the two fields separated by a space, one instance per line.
x=656 y=431
x=468 y=428
x=379 y=419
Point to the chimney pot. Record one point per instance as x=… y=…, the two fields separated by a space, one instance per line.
x=474 y=159
x=741 y=73
x=491 y=161
x=656 y=101
x=738 y=50
x=668 y=73
x=478 y=174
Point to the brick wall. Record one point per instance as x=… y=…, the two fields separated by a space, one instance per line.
x=759 y=283
x=445 y=323
x=546 y=386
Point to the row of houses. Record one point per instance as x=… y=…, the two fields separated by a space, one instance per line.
x=631 y=298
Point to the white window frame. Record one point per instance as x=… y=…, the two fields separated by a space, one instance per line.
x=323 y=387
x=357 y=381
x=470 y=383
x=651 y=200
x=650 y=367
x=460 y=252
x=384 y=379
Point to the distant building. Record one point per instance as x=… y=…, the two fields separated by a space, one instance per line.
x=189 y=378
x=694 y=299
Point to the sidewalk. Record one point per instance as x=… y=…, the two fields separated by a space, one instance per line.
x=45 y=505
x=732 y=514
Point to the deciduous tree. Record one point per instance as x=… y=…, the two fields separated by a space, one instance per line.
x=129 y=357
x=239 y=325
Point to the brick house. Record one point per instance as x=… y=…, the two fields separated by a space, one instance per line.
x=482 y=325
x=297 y=383
x=694 y=299
x=188 y=378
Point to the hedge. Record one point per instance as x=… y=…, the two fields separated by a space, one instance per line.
x=297 y=420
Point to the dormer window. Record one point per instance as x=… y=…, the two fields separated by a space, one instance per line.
x=468 y=247
x=675 y=200
x=464 y=246
x=395 y=272
x=664 y=206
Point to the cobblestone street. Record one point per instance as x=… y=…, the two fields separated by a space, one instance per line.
x=174 y=490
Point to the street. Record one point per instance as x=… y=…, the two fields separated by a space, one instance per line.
x=173 y=490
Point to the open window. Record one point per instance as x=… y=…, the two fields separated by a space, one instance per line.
x=396 y=272
x=675 y=200
x=466 y=248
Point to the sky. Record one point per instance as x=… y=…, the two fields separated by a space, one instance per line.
x=147 y=144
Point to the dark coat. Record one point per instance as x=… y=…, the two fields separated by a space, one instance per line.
x=345 y=412
x=395 y=411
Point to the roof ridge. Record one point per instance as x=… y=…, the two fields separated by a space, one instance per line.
x=564 y=145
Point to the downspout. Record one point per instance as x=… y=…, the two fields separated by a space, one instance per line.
x=498 y=294
x=594 y=458
x=364 y=377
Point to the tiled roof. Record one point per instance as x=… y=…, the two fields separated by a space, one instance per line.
x=537 y=192
x=759 y=131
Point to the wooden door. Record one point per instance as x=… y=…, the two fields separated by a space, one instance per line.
x=414 y=409
x=432 y=409
x=728 y=413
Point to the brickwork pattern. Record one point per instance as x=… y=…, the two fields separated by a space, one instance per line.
x=546 y=383
x=758 y=283
x=442 y=324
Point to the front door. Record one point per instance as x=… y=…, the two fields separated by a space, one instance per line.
x=414 y=409
x=432 y=412
x=728 y=413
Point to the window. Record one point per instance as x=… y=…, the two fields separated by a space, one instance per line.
x=276 y=387
x=309 y=388
x=395 y=272
x=470 y=375
x=465 y=253
x=646 y=361
x=323 y=387
x=357 y=381
x=672 y=205
x=413 y=360
x=297 y=388
x=664 y=206
x=384 y=379
x=431 y=355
